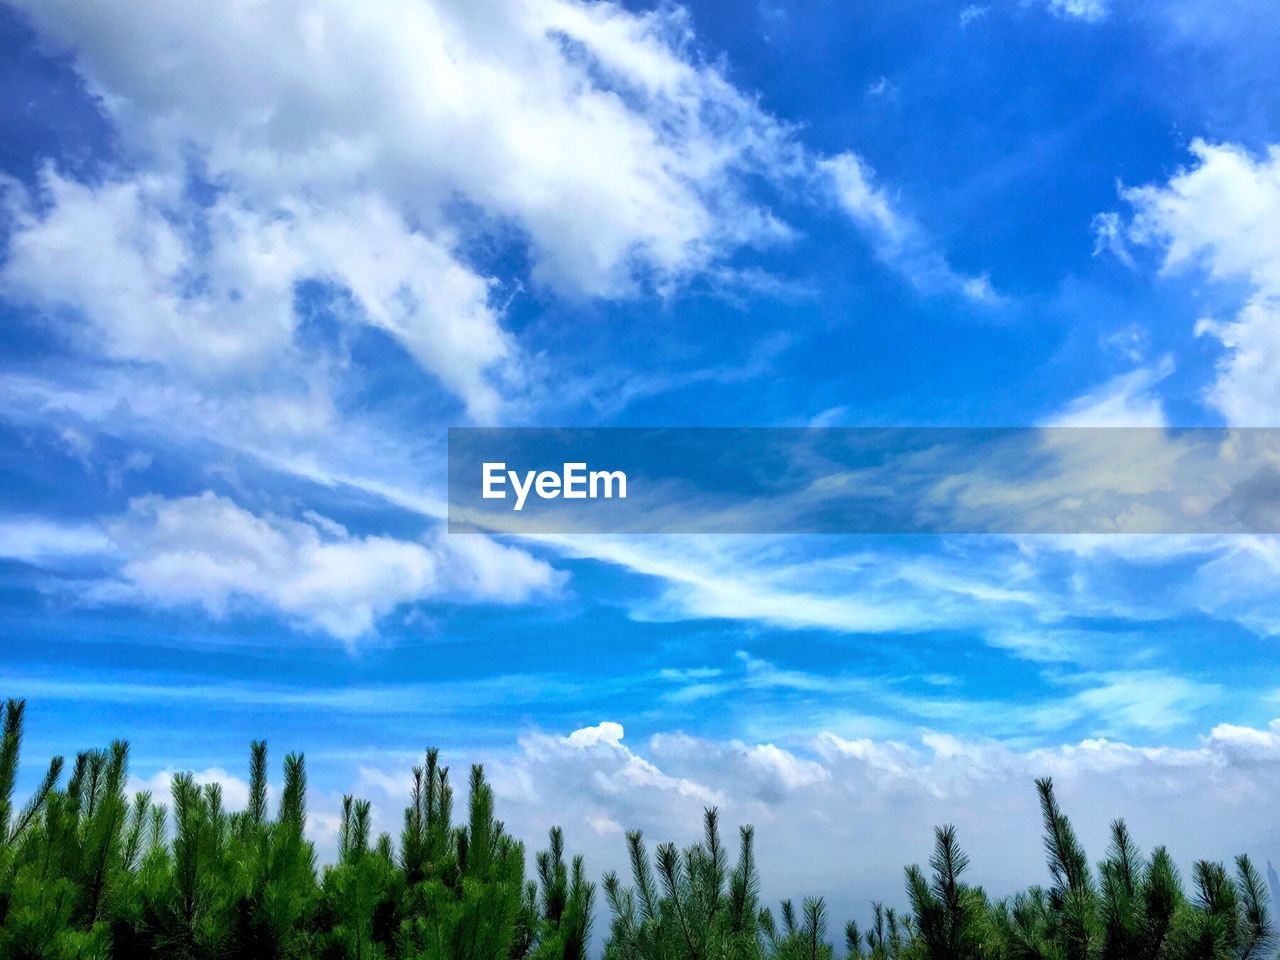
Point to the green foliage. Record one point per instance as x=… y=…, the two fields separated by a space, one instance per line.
x=89 y=873
x=952 y=919
x=697 y=907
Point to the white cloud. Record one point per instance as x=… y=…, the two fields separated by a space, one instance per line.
x=606 y=732
x=1230 y=577
x=1144 y=700
x=289 y=428
x=607 y=772
x=135 y=461
x=210 y=292
x=35 y=540
x=206 y=550
x=889 y=794
x=1222 y=215
x=601 y=135
x=111 y=254
x=1127 y=400
x=790 y=771
x=1238 y=582
x=1109 y=237
x=1020 y=592
x=1091 y=11
x=779 y=581
x=603 y=825
x=1088 y=11
x=1245 y=391
x=897 y=240
x=597 y=132
x=235 y=791
x=881 y=87
x=864 y=201
x=1131 y=342
x=1118 y=701
x=375 y=151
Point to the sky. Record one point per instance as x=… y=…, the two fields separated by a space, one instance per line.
x=256 y=259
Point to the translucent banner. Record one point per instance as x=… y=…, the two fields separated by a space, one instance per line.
x=851 y=480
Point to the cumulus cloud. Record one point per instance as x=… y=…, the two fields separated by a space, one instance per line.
x=112 y=255
x=323 y=825
x=210 y=292
x=368 y=147
x=208 y=551
x=1221 y=215
x=379 y=156
x=598 y=133
x=876 y=800
x=235 y=791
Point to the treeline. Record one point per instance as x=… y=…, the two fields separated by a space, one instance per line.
x=88 y=872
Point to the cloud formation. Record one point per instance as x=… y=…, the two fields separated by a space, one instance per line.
x=208 y=551
x=209 y=292
x=599 y=133
x=1090 y=11
x=1221 y=216
x=898 y=240
x=876 y=800
x=378 y=151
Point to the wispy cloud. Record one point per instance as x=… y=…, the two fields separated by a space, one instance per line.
x=897 y=239
x=1127 y=400
x=421 y=699
x=1113 y=702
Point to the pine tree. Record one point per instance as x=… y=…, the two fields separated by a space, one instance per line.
x=1073 y=901
x=950 y=917
x=696 y=908
x=88 y=873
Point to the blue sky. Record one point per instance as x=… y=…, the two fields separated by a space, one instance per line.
x=255 y=263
